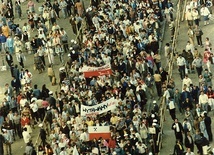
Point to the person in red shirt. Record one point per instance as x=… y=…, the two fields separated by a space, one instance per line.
x=210 y=94
x=25 y=121
x=112 y=143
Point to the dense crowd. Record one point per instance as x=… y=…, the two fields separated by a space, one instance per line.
x=125 y=34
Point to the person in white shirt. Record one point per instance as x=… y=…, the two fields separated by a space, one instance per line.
x=195 y=16
x=181 y=62
x=63 y=151
x=186 y=126
x=205 y=14
x=186 y=81
x=50 y=53
x=35 y=109
x=189 y=152
x=78 y=119
x=190 y=45
x=28 y=76
x=203 y=101
x=188 y=6
x=26 y=136
x=141 y=147
x=189 y=17
x=172 y=108
x=166 y=94
x=83 y=136
x=193 y=4
x=96 y=21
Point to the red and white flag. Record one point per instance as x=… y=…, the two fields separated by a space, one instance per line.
x=96 y=71
x=99 y=131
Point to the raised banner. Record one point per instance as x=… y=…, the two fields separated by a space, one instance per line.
x=99 y=131
x=110 y=104
x=96 y=71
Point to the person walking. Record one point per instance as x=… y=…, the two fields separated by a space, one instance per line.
x=50 y=73
x=178 y=129
x=59 y=51
x=8 y=142
x=158 y=84
x=63 y=7
x=10 y=44
x=191 y=34
x=64 y=39
x=42 y=134
x=181 y=62
x=50 y=54
x=149 y=80
x=197 y=63
x=189 y=152
x=2 y=141
x=17 y=124
x=21 y=58
x=18 y=10
x=28 y=76
x=208 y=123
x=198 y=33
x=189 y=143
x=204 y=11
x=26 y=135
x=172 y=108
x=41 y=54
x=9 y=59
x=203 y=101
x=178 y=148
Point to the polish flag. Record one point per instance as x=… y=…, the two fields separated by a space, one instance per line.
x=99 y=131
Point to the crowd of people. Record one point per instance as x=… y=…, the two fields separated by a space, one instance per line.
x=125 y=34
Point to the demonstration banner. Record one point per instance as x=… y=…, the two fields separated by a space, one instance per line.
x=110 y=104
x=99 y=131
x=96 y=71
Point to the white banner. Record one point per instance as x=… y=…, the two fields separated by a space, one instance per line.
x=88 y=68
x=98 y=129
x=110 y=104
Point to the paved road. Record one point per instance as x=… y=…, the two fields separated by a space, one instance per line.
x=168 y=136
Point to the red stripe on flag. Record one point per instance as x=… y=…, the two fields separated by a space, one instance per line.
x=97 y=73
x=98 y=135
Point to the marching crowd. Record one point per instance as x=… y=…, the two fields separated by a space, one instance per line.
x=125 y=34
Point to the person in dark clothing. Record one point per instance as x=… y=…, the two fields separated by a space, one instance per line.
x=178 y=129
x=56 y=8
x=9 y=59
x=62 y=75
x=15 y=83
x=187 y=104
x=36 y=92
x=52 y=100
x=65 y=129
x=172 y=111
x=45 y=92
x=208 y=122
x=2 y=141
x=189 y=143
x=42 y=134
x=178 y=149
x=16 y=72
x=34 y=45
x=163 y=74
